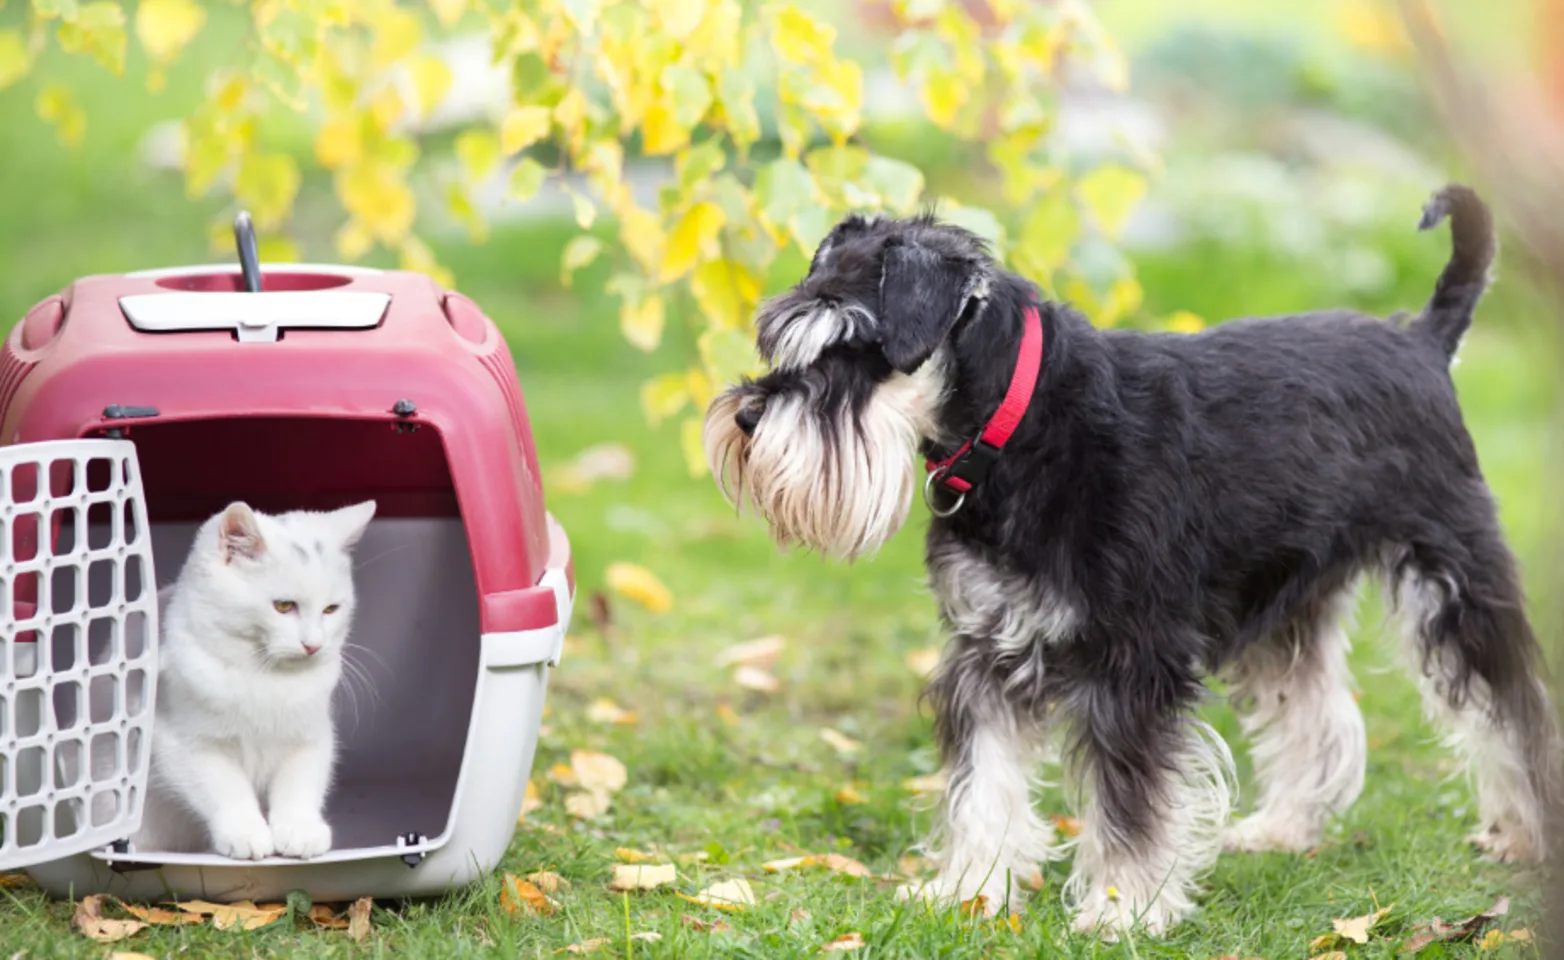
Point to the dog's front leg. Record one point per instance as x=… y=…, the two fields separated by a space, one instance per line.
x=988 y=837
x=1158 y=784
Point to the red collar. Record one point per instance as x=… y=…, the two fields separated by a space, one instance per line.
x=966 y=468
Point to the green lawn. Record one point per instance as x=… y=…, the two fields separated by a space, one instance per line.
x=743 y=777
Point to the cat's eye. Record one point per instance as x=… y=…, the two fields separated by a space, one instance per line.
x=284 y=606
x=333 y=608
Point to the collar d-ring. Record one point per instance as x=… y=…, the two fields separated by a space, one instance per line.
x=928 y=496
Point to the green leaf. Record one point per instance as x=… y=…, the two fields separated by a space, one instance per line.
x=664 y=396
x=980 y=221
x=784 y=188
x=579 y=252
x=526 y=179
x=728 y=354
x=266 y=184
x=1111 y=193
x=478 y=151
x=809 y=226
x=50 y=9
x=699 y=163
x=98 y=30
x=687 y=92
x=898 y=184
x=1049 y=231
x=736 y=96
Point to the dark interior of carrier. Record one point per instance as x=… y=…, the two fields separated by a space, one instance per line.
x=405 y=702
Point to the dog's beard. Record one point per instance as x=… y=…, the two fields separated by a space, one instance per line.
x=842 y=486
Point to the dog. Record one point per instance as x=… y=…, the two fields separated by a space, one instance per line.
x=1118 y=516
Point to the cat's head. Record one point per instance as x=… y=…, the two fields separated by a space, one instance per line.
x=282 y=583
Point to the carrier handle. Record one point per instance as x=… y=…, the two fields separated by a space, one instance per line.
x=249 y=256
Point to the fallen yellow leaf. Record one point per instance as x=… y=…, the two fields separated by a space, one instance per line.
x=633 y=856
x=840 y=742
x=598 y=771
x=923 y=662
x=761 y=653
x=647 y=936
x=358 y=918
x=831 y=861
x=548 y=881
x=726 y=714
x=588 y=804
x=931 y=783
x=694 y=856
x=11 y=880
x=639 y=584
x=754 y=678
x=243 y=914
x=704 y=926
x=604 y=710
x=158 y=916
x=562 y=774
x=1491 y=940
x=1331 y=955
x=587 y=946
x=530 y=800
x=90 y=921
x=326 y=919
x=1520 y=935
x=1011 y=923
x=849 y=796
x=127 y=955
x=517 y=894
x=847 y=941
x=642 y=876
x=725 y=895
x=1357 y=928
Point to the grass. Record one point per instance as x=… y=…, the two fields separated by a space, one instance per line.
x=741 y=777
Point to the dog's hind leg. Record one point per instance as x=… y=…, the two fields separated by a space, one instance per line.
x=1293 y=696
x=988 y=837
x=1158 y=789
x=1478 y=664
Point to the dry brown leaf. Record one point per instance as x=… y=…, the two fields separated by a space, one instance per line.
x=1033 y=880
x=847 y=941
x=127 y=955
x=642 y=876
x=548 y=881
x=923 y=662
x=13 y=880
x=978 y=906
x=849 y=796
x=931 y=783
x=90 y=921
x=1520 y=935
x=517 y=895
x=530 y=801
x=840 y=742
x=704 y=926
x=243 y=914
x=1331 y=955
x=326 y=918
x=1067 y=826
x=588 y=804
x=831 y=861
x=598 y=771
x=157 y=916
x=586 y=946
x=725 y=895
x=760 y=654
x=754 y=678
x=1437 y=931
x=358 y=918
x=799 y=915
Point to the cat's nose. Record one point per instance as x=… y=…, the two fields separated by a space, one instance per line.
x=310 y=649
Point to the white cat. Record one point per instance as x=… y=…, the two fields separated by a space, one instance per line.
x=253 y=631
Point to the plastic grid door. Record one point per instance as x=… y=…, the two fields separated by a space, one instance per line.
x=78 y=647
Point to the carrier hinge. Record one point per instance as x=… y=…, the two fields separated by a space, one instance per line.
x=416 y=857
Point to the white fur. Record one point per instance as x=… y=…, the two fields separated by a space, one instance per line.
x=981 y=600
x=244 y=744
x=1306 y=735
x=804 y=337
x=844 y=499
x=990 y=837
x=1117 y=884
x=1510 y=816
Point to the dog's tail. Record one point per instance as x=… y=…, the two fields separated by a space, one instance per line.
x=1448 y=314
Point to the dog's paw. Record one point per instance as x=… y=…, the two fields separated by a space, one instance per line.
x=988 y=898
x=1108 y=915
x=1506 y=843
x=243 y=841
x=302 y=837
x=1262 y=832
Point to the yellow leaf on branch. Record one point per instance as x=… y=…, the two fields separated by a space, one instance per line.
x=691 y=240
x=98 y=30
x=522 y=127
x=165 y=27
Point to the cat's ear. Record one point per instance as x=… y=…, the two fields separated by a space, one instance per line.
x=351 y=522
x=239 y=534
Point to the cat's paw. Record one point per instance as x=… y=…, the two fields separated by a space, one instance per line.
x=302 y=837
x=244 y=842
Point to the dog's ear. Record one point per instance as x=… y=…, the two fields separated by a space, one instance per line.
x=922 y=293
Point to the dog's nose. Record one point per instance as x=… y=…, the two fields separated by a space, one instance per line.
x=748 y=417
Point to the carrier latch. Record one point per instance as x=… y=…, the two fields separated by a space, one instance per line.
x=125 y=411
x=123 y=846
x=416 y=857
